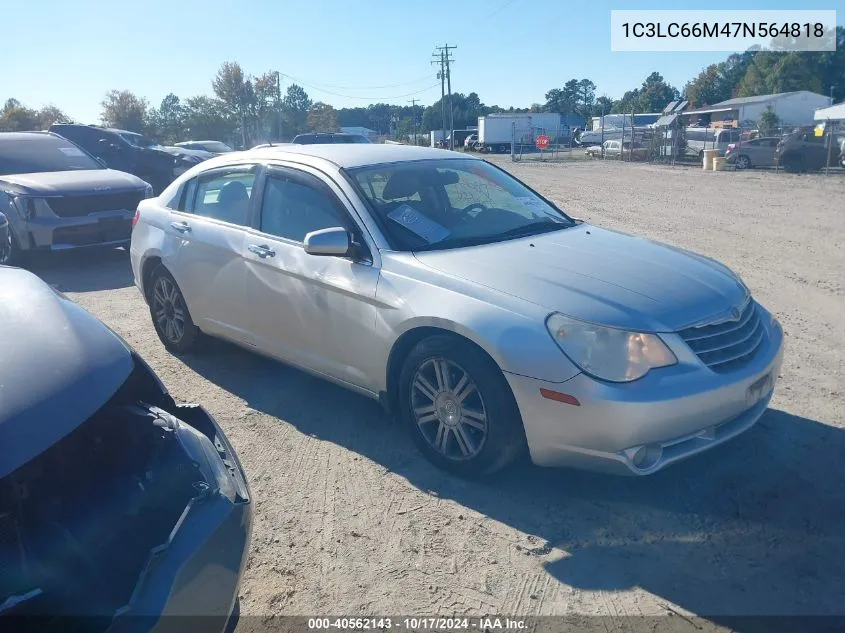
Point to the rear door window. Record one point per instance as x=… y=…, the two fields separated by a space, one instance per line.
x=224 y=195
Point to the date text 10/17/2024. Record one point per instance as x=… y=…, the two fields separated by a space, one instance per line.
x=417 y=624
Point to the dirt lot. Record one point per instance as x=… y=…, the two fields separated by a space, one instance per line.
x=351 y=520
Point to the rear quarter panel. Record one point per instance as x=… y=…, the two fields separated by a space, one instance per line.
x=150 y=239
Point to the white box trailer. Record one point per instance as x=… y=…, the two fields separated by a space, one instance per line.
x=496 y=131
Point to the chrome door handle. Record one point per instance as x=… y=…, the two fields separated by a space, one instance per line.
x=182 y=227
x=262 y=250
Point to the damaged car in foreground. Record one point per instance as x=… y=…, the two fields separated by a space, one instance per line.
x=117 y=505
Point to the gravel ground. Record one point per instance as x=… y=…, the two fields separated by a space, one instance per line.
x=351 y=520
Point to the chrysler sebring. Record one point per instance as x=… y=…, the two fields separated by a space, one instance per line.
x=484 y=316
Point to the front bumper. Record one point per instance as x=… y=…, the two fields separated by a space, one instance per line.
x=683 y=410
x=112 y=228
x=197 y=572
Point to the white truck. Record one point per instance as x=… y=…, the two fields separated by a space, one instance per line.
x=496 y=131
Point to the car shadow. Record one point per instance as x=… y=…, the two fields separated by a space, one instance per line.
x=754 y=527
x=84 y=270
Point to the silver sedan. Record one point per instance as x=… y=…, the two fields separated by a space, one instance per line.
x=480 y=313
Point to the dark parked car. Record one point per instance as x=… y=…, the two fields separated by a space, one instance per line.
x=126 y=151
x=56 y=196
x=333 y=137
x=190 y=157
x=115 y=502
x=215 y=147
x=803 y=151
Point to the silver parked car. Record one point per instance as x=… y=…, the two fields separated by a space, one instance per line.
x=462 y=300
x=56 y=196
x=757 y=152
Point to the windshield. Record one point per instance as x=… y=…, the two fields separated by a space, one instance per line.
x=437 y=204
x=214 y=146
x=136 y=139
x=33 y=153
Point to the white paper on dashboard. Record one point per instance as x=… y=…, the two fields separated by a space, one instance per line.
x=416 y=222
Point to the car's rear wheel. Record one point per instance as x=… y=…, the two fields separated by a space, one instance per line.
x=459 y=408
x=169 y=312
x=743 y=162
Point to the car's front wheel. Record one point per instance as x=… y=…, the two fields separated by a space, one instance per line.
x=459 y=407
x=169 y=312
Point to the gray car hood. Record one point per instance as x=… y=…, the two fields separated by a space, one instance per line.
x=58 y=365
x=600 y=276
x=83 y=181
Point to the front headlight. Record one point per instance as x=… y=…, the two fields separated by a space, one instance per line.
x=24 y=206
x=608 y=353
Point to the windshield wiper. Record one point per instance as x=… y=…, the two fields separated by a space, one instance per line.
x=534 y=228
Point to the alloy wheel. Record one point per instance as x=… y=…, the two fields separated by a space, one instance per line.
x=743 y=162
x=448 y=409
x=169 y=309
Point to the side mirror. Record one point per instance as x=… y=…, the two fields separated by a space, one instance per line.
x=333 y=242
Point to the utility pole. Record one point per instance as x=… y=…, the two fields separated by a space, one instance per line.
x=440 y=58
x=279 y=102
x=413 y=103
x=445 y=60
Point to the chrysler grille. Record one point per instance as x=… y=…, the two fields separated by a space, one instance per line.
x=729 y=345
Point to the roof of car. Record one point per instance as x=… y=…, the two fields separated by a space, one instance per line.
x=11 y=137
x=355 y=154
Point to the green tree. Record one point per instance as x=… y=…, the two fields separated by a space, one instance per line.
x=704 y=89
x=15 y=117
x=123 y=109
x=295 y=107
x=796 y=71
x=655 y=94
x=602 y=104
x=208 y=119
x=233 y=89
x=167 y=122
x=768 y=122
x=322 y=117
x=586 y=96
x=50 y=114
x=652 y=96
x=267 y=105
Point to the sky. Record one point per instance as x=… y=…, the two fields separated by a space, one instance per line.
x=346 y=53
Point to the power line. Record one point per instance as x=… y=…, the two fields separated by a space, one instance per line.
x=501 y=8
x=337 y=94
x=406 y=83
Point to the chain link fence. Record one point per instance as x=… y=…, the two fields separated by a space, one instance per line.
x=803 y=149
x=541 y=144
